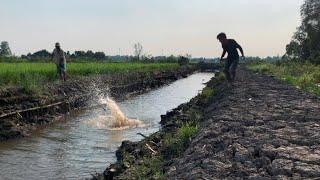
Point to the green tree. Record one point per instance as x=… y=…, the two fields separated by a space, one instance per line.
x=5 y=49
x=305 y=43
x=99 y=55
x=41 y=54
x=89 y=54
x=78 y=54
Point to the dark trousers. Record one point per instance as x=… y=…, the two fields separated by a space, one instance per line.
x=230 y=68
x=61 y=68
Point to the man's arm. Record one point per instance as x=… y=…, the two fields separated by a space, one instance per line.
x=223 y=54
x=240 y=48
x=64 y=57
x=52 y=55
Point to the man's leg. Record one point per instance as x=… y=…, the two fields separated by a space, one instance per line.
x=227 y=70
x=64 y=76
x=63 y=72
x=59 y=72
x=233 y=68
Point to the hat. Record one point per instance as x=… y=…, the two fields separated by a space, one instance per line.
x=57 y=44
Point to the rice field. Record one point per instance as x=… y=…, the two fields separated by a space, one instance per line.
x=33 y=74
x=304 y=76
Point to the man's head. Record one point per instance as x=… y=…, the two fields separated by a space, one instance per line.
x=58 y=45
x=222 y=37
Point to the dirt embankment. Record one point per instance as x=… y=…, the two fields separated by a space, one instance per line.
x=21 y=112
x=259 y=128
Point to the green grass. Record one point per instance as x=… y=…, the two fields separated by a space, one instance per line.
x=34 y=74
x=149 y=168
x=304 y=76
x=186 y=132
x=175 y=144
x=152 y=166
x=207 y=92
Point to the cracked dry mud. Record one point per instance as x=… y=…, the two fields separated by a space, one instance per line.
x=258 y=129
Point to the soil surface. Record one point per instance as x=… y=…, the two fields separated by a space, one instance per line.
x=21 y=111
x=259 y=128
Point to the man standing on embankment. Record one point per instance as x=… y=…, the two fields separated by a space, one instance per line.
x=230 y=46
x=59 y=59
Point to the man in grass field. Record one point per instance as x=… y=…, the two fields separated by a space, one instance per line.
x=60 y=60
x=230 y=46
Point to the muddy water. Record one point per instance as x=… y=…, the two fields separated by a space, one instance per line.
x=78 y=146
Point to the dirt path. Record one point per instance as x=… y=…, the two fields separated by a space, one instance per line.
x=258 y=128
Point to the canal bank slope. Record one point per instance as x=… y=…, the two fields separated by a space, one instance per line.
x=258 y=128
x=21 y=111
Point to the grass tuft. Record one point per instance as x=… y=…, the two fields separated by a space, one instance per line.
x=175 y=144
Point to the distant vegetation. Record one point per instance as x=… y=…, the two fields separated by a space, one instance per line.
x=268 y=59
x=91 y=56
x=5 y=50
x=44 y=55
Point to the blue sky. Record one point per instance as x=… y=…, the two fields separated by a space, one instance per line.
x=161 y=26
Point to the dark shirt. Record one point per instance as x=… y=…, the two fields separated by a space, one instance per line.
x=231 y=48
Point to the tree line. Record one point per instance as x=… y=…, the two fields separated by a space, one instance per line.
x=44 y=54
x=305 y=43
x=89 y=55
x=139 y=56
x=83 y=55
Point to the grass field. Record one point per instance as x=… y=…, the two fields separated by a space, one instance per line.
x=34 y=74
x=305 y=76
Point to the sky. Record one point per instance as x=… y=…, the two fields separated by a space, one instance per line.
x=163 y=27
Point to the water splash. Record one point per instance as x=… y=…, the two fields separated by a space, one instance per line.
x=117 y=120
